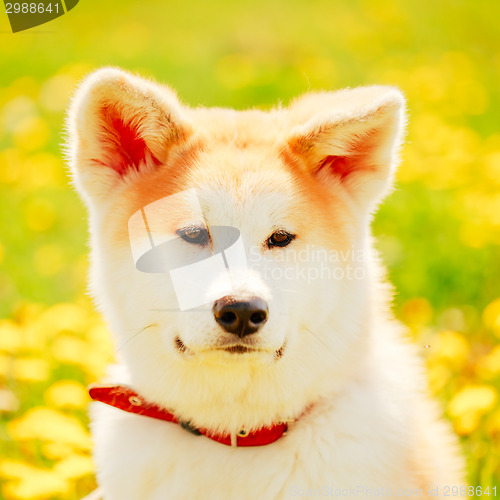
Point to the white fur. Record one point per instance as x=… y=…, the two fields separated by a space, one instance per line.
x=353 y=386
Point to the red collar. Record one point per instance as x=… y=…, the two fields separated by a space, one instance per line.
x=126 y=399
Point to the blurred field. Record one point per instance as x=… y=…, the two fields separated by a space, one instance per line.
x=439 y=232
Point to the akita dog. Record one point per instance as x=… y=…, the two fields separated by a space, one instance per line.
x=232 y=259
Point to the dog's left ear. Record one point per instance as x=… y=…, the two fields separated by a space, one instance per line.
x=350 y=139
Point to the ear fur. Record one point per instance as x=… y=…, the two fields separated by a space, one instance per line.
x=351 y=138
x=120 y=124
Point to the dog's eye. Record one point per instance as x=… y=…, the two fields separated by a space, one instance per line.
x=195 y=235
x=280 y=239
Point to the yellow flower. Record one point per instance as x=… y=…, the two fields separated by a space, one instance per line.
x=473 y=398
x=417 y=311
x=70 y=349
x=100 y=350
x=492 y=167
x=50 y=425
x=491 y=316
x=99 y=334
x=31 y=369
x=489 y=365
x=67 y=394
x=56 y=451
x=10 y=336
x=493 y=423
x=473 y=234
x=75 y=466
x=6 y=365
x=28 y=482
x=449 y=347
x=468 y=405
x=34 y=337
x=466 y=423
x=66 y=316
x=438 y=376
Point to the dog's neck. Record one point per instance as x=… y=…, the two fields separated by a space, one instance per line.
x=126 y=399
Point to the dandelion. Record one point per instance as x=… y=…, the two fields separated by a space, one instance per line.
x=26 y=482
x=468 y=405
x=75 y=466
x=10 y=336
x=492 y=167
x=34 y=337
x=451 y=348
x=491 y=316
x=31 y=369
x=493 y=424
x=12 y=161
x=6 y=364
x=438 y=376
x=70 y=349
x=56 y=451
x=50 y=425
x=67 y=394
x=489 y=366
x=65 y=316
x=417 y=311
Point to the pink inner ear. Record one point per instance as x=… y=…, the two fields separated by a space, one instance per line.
x=130 y=149
x=340 y=166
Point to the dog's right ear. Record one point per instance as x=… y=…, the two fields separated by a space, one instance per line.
x=120 y=125
x=350 y=139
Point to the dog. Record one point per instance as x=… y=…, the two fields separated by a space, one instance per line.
x=232 y=258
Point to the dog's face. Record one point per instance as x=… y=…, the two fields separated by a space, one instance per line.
x=230 y=249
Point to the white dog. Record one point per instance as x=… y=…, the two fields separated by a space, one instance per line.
x=232 y=259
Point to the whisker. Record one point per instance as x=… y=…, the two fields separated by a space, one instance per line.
x=319 y=339
x=119 y=348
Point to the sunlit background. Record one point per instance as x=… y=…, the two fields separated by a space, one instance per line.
x=439 y=232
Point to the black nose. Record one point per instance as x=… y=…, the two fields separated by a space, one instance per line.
x=240 y=316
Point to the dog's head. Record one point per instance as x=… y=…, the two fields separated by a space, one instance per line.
x=231 y=249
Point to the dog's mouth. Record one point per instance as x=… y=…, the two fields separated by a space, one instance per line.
x=238 y=349
x=231 y=349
